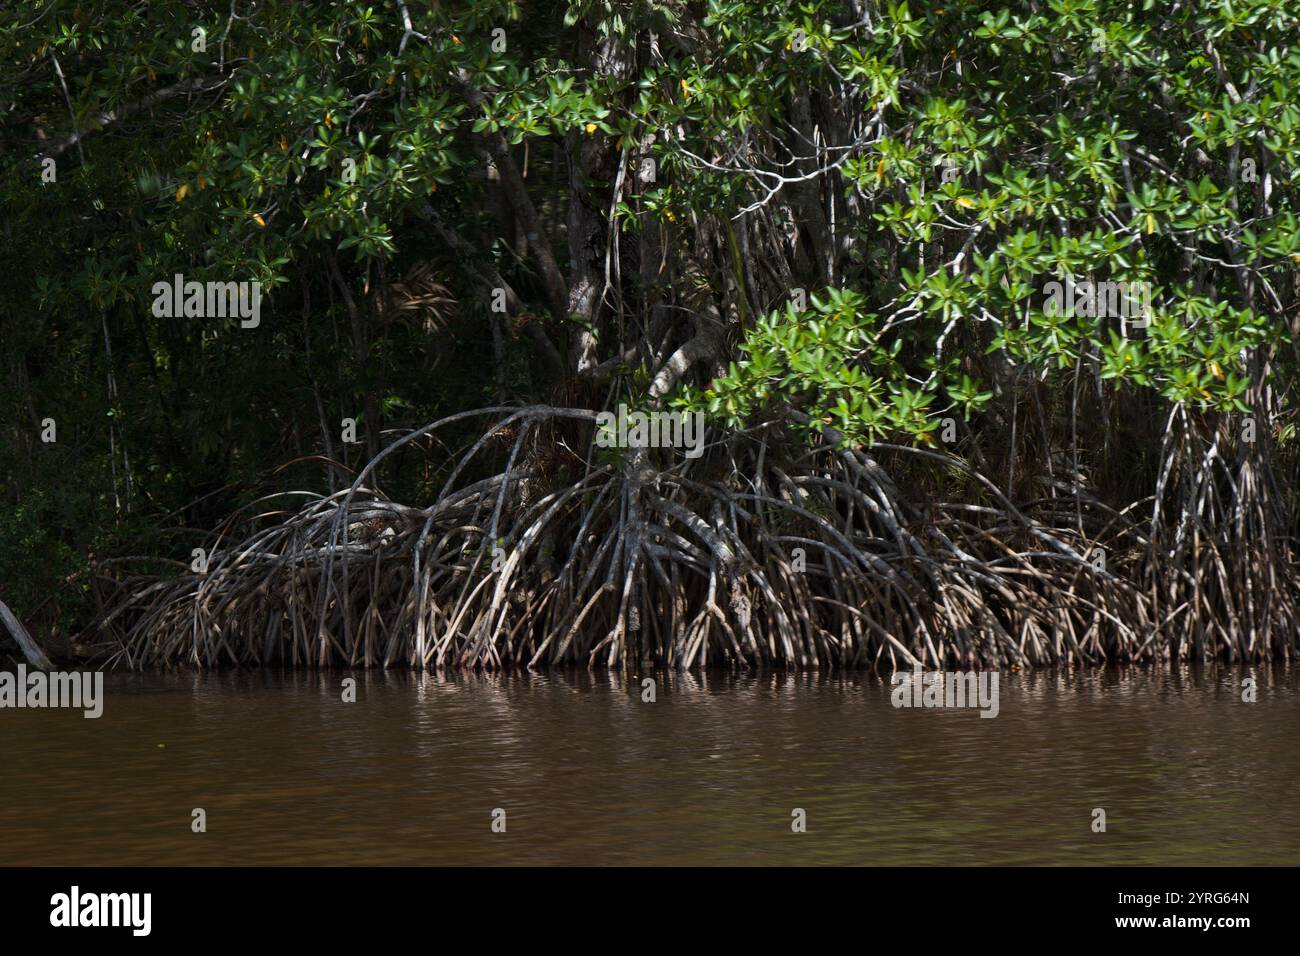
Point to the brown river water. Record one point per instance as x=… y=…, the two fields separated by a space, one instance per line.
x=588 y=773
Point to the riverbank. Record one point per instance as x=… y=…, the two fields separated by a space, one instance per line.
x=756 y=553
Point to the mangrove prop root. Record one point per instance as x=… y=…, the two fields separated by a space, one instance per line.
x=744 y=557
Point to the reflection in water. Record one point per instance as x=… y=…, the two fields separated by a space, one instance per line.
x=709 y=774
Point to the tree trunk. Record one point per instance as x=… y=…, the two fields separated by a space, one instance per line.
x=35 y=656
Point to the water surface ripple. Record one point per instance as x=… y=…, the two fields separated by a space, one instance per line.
x=709 y=774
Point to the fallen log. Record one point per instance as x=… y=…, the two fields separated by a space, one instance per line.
x=35 y=656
